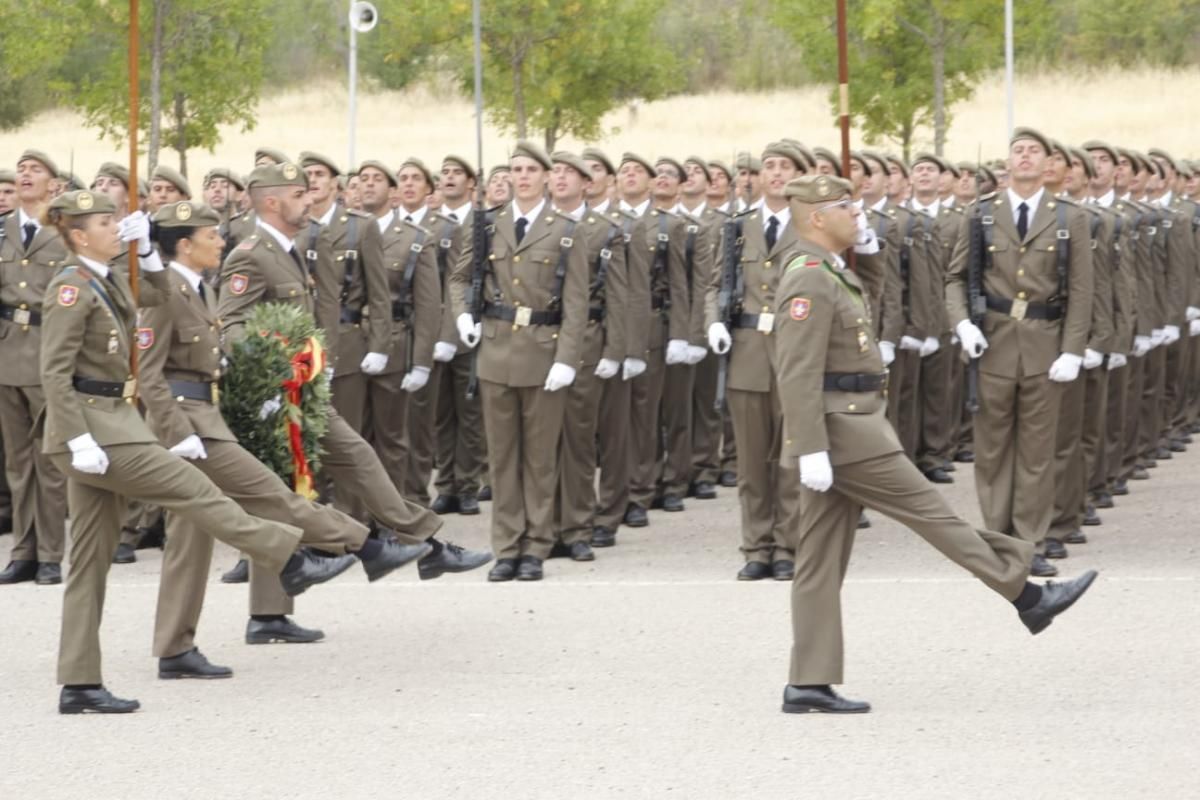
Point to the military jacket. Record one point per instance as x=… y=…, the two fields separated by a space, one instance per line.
x=24 y=276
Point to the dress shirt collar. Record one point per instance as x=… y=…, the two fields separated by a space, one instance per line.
x=531 y=217
x=95 y=266
x=283 y=241
x=1032 y=202
x=458 y=214
x=190 y=275
x=637 y=210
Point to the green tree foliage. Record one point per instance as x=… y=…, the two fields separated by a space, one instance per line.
x=1127 y=32
x=33 y=48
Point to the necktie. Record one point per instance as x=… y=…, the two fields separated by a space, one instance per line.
x=30 y=230
x=408 y=218
x=453 y=216
x=522 y=224
x=772 y=231
x=203 y=294
x=299 y=262
x=1022 y=220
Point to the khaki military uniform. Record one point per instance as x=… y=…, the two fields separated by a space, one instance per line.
x=37 y=488
x=939 y=415
x=708 y=422
x=1124 y=298
x=1180 y=254
x=89 y=329
x=824 y=327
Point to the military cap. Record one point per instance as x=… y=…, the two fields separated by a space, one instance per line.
x=817 y=188
x=879 y=159
x=227 y=174
x=1029 y=133
x=827 y=154
x=285 y=174
x=1058 y=147
x=701 y=163
x=310 y=159
x=461 y=162
x=716 y=164
x=379 y=165
x=804 y=151
x=1186 y=168
x=81 y=202
x=952 y=168
x=7 y=176
x=786 y=150
x=342 y=182
x=985 y=173
x=1134 y=163
x=669 y=162
x=275 y=155
x=111 y=169
x=1146 y=162
x=413 y=161
x=571 y=160
x=967 y=166
x=1158 y=152
x=856 y=155
x=143 y=188
x=899 y=162
x=528 y=149
x=930 y=158
x=39 y=156
x=636 y=159
x=1083 y=157
x=73 y=181
x=498 y=169
x=597 y=155
x=171 y=175
x=745 y=161
x=186 y=214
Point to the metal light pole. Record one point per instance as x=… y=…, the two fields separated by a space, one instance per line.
x=363 y=17
x=1008 y=62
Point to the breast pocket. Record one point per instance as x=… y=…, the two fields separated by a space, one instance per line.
x=189 y=350
x=288 y=291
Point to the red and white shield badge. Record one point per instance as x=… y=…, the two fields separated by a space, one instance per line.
x=800 y=308
x=67 y=295
x=238 y=284
x=145 y=338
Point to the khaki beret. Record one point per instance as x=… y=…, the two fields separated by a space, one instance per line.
x=827 y=154
x=379 y=165
x=817 y=188
x=43 y=159
x=1096 y=144
x=460 y=162
x=804 y=151
x=1144 y=160
x=7 y=176
x=634 y=158
x=285 y=174
x=573 y=161
x=1134 y=163
x=899 y=163
x=1186 y=168
x=527 y=149
x=879 y=159
x=745 y=161
x=171 y=175
x=278 y=156
x=1083 y=157
x=1058 y=147
x=671 y=163
x=413 y=161
x=73 y=181
x=856 y=155
x=717 y=165
x=111 y=169
x=342 y=182
x=786 y=150
x=985 y=173
x=1158 y=152
x=310 y=159
x=227 y=174
x=143 y=188
x=186 y=214
x=930 y=158
x=598 y=155
x=79 y=203
x=1029 y=133
x=699 y=162
x=499 y=169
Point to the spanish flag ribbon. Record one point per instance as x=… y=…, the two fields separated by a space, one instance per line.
x=307 y=366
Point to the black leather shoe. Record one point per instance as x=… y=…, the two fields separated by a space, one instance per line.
x=949 y=466
x=154 y=537
x=754 y=571
x=468 y=504
x=1056 y=598
x=269 y=631
x=656 y=503
x=1090 y=517
x=392 y=557
x=191 y=664
x=1055 y=549
x=6 y=523
x=1104 y=500
x=1163 y=454
x=306 y=569
x=1149 y=463
x=559 y=550
x=504 y=570
x=965 y=457
x=1177 y=446
x=805 y=700
x=450 y=558
x=863 y=520
x=582 y=551
x=729 y=479
x=1041 y=568
x=1185 y=438
x=48 y=574
x=783 y=570
x=239 y=574
x=530 y=569
x=444 y=504
x=939 y=475
x=704 y=490
x=94 y=701
x=485 y=494
x=19 y=572
x=1139 y=474
x=672 y=502
x=635 y=516
x=603 y=537
x=1120 y=488
x=1075 y=537
x=125 y=554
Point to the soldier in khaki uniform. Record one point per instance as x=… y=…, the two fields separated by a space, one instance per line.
x=167 y=185
x=831 y=379
x=1037 y=324
x=30 y=255
x=93 y=432
x=530 y=334
x=8 y=192
x=720 y=197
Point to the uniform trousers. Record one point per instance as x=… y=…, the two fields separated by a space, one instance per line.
x=420 y=440
x=37 y=487
x=614 y=452
x=1131 y=452
x=645 y=432
x=937 y=420
x=462 y=453
x=576 y=498
x=904 y=400
x=1114 y=430
x=1070 y=477
x=1095 y=423
x=675 y=413
x=768 y=493
x=706 y=421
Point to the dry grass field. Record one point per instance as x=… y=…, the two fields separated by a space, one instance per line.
x=1141 y=108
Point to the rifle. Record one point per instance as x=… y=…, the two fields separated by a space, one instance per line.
x=731 y=256
x=481 y=244
x=978 y=232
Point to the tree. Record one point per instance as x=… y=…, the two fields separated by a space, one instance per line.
x=33 y=47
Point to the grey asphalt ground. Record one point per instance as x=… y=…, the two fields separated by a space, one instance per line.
x=650 y=673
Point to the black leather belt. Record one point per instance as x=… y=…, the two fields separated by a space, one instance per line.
x=104 y=388
x=21 y=316
x=204 y=391
x=596 y=314
x=351 y=317
x=1020 y=309
x=522 y=316
x=855 y=381
x=747 y=321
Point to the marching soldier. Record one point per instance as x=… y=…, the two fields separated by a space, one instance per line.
x=167 y=185
x=499 y=189
x=748 y=182
x=721 y=198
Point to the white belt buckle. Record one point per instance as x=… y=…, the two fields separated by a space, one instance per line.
x=1019 y=308
x=766 y=323
x=524 y=316
x=129 y=389
x=21 y=316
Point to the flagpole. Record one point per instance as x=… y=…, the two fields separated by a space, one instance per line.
x=134 y=42
x=844 y=95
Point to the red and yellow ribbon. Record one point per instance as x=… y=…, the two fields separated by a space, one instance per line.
x=307 y=366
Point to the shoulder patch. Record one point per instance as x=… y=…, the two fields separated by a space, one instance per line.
x=239 y=283
x=247 y=244
x=68 y=295
x=145 y=338
x=800 y=308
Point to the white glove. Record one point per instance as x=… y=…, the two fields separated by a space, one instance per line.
x=816 y=472
x=1194 y=328
x=954 y=338
x=1092 y=358
x=469 y=331
x=270 y=407
x=1116 y=361
x=887 y=352
x=136 y=228
x=973 y=343
x=415 y=380
x=1193 y=313
x=866 y=243
x=560 y=377
x=695 y=354
x=911 y=343
x=1170 y=334
x=718 y=338
x=1157 y=337
x=676 y=351
x=374 y=363
x=930 y=346
x=632 y=368
x=190 y=448
x=1142 y=345
x=607 y=368
x=86 y=455
x=1065 y=368
x=444 y=351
